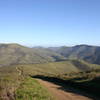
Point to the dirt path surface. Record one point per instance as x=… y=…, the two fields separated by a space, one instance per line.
x=61 y=94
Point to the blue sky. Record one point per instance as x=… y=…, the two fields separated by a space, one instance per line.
x=50 y=22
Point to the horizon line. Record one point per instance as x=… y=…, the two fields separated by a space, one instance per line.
x=50 y=45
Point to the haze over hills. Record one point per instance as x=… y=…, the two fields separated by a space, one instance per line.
x=84 y=52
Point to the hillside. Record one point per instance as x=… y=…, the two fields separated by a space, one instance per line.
x=84 y=52
x=16 y=81
x=11 y=54
x=16 y=86
x=58 y=68
x=18 y=54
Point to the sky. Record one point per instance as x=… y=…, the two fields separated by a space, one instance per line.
x=50 y=22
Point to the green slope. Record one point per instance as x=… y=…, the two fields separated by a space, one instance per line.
x=15 y=81
x=17 y=54
x=16 y=86
x=31 y=89
x=56 y=68
x=84 y=52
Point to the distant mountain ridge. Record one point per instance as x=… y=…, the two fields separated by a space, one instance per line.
x=85 y=52
x=17 y=54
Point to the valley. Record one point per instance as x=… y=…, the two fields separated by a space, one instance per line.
x=30 y=73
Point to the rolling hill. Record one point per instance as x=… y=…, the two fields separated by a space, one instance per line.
x=57 y=68
x=11 y=54
x=18 y=54
x=84 y=52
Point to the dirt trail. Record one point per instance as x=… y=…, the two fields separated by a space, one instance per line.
x=60 y=94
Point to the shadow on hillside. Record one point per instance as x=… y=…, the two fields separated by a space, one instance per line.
x=68 y=86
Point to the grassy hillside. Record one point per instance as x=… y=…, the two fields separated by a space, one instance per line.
x=17 y=54
x=56 y=68
x=85 y=52
x=11 y=54
x=30 y=89
x=16 y=83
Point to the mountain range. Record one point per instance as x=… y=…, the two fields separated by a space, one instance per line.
x=88 y=53
x=11 y=54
